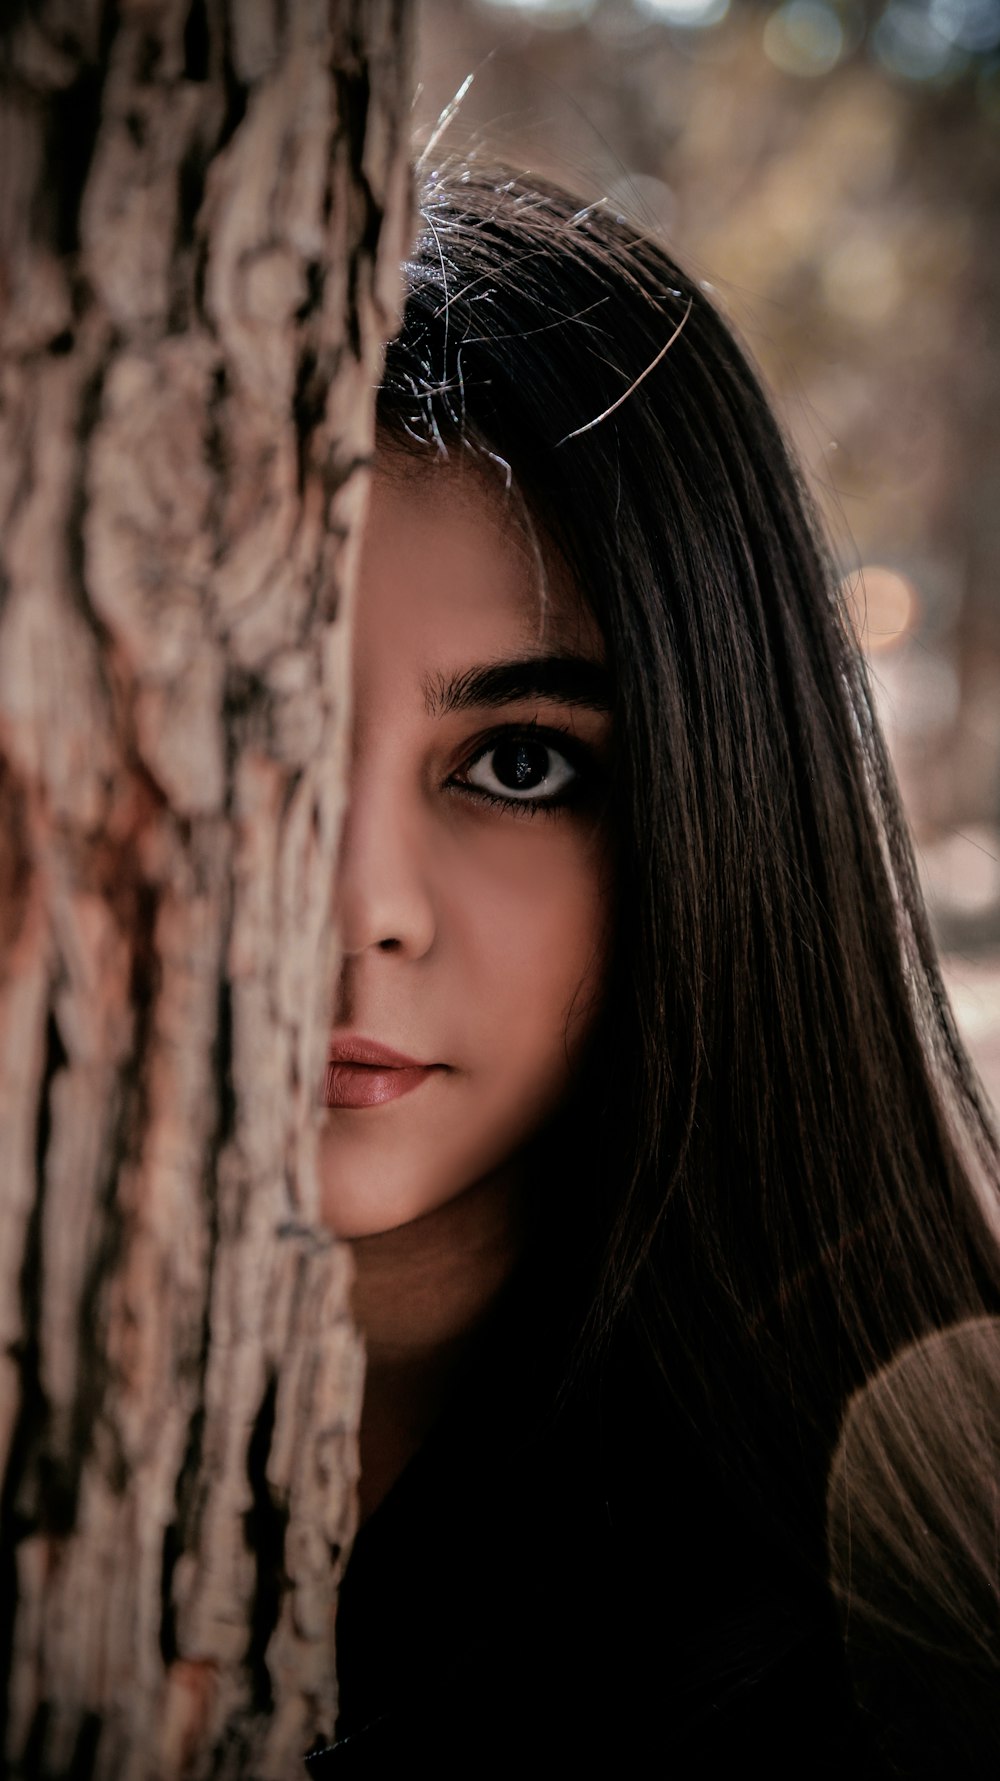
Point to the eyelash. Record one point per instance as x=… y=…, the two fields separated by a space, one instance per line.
x=578 y=756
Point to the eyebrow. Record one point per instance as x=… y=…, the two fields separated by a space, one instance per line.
x=571 y=680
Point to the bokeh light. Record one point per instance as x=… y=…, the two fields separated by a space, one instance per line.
x=693 y=13
x=804 y=37
x=972 y=25
x=909 y=41
x=884 y=606
x=861 y=278
x=544 y=12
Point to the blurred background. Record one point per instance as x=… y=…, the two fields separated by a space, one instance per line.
x=831 y=169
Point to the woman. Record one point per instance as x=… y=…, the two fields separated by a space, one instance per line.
x=648 y=1121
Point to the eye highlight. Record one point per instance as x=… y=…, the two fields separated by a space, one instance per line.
x=525 y=767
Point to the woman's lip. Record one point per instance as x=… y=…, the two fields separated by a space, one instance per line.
x=353 y=1084
x=354 y=1050
x=364 y=1073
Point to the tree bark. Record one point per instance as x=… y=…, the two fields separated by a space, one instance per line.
x=203 y=209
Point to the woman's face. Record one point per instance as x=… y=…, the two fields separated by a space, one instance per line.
x=473 y=897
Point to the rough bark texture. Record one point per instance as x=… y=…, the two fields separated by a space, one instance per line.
x=204 y=205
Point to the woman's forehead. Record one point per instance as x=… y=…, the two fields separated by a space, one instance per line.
x=445 y=538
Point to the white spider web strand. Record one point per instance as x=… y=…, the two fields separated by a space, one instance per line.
x=598 y=418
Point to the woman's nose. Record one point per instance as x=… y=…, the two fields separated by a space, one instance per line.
x=384 y=897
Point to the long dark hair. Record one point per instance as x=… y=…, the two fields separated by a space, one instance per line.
x=790 y=1172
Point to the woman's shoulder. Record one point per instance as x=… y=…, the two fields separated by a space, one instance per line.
x=518 y=1598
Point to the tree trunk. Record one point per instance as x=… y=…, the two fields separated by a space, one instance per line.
x=204 y=205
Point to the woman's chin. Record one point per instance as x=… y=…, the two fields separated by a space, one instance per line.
x=355 y=1207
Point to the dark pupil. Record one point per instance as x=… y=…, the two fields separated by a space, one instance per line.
x=520 y=765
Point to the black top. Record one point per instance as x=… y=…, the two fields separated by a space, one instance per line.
x=516 y=1599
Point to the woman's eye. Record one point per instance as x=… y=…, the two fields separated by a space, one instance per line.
x=522 y=770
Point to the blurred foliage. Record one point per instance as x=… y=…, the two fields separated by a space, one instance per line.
x=929 y=42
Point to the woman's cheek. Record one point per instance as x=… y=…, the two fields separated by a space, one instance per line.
x=538 y=946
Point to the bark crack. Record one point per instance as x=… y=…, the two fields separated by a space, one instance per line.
x=29 y=1428
x=197 y=43
x=265 y=1526
x=71 y=139
x=353 y=90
